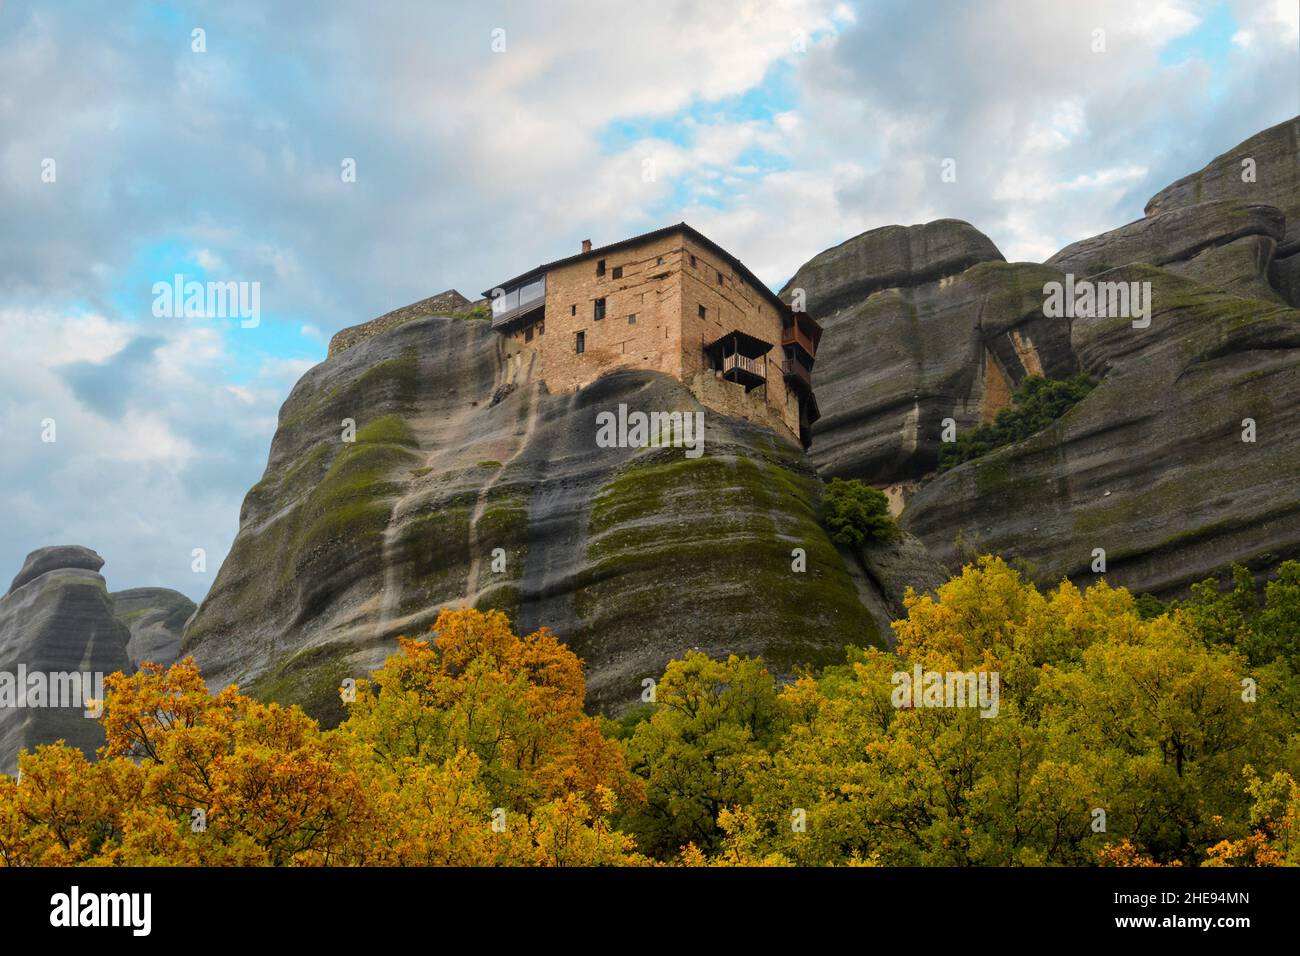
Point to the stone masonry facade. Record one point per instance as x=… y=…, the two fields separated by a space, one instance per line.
x=663 y=300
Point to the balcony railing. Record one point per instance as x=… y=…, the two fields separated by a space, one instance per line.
x=792 y=368
x=743 y=363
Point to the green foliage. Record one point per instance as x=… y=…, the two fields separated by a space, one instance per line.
x=476 y=313
x=1182 y=725
x=1265 y=631
x=1035 y=404
x=856 y=514
x=1149 y=606
x=1099 y=707
x=711 y=721
x=390 y=429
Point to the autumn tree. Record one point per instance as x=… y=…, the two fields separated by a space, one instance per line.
x=1109 y=727
x=1275 y=819
x=480 y=727
x=711 y=721
x=472 y=749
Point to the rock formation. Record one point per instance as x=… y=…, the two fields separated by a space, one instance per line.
x=1263 y=169
x=1150 y=467
x=57 y=619
x=156 y=619
x=425 y=465
x=632 y=556
x=922 y=323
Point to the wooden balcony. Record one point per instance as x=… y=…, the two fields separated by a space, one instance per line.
x=740 y=367
x=740 y=357
x=794 y=369
x=797 y=336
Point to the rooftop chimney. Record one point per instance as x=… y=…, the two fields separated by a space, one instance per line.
x=586 y=245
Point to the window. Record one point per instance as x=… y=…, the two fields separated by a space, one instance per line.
x=692 y=262
x=541 y=327
x=703 y=312
x=528 y=334
x=631 y=319
x=580 y=343
x=573 y=310
x=618 y=272
x=659 y=261
x=719 y=278
x=599 y=312
x=600 y=267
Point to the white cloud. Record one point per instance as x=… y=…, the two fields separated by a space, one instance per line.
x=208 y=260
x=145 y=485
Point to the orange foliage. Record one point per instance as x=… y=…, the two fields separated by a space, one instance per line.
x=470 y=750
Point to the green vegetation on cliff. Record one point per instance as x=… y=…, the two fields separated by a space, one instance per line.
x=1035 y=404
x=714 y=538
x=352 y=499
x=856 y=514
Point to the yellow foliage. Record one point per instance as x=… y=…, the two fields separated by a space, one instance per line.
x=469 y=750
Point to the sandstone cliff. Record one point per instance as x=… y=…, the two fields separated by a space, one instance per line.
x=425 y=465
x=632 y=556
x=58 y=618
x=1151 y=466
x=922 y=323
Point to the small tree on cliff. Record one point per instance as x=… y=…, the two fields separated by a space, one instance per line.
x=856 y=514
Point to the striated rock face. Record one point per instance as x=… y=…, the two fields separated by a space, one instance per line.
x=58 y=557
x=1151 y=465
x=904 y=350
x=1195 y=237
x=882 y=574
x=1284 y=276
x=1263 y=169
x=903 y=564
x=299 y=603
x=632 y=556
x=156 y=619
x=59 y=619
x=888 y=258
x=1244 y=267
x=1275 y=180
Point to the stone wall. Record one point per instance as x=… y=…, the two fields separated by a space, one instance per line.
x=444 y=303
x=730 y=398
x=648 y=288
x=664 y=290
x=730 y=304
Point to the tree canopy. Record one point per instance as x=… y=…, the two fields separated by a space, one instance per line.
x=1123 y=735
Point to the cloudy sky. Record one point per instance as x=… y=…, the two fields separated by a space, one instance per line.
x=488 y=138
